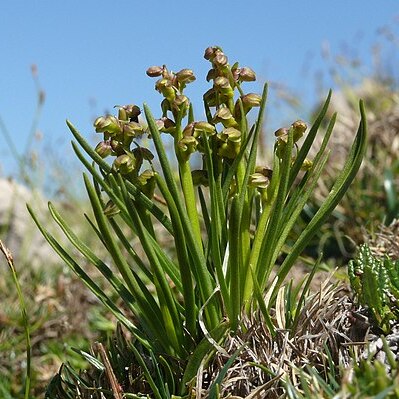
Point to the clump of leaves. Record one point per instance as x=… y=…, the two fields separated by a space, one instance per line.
x=231 y=221
x=372 y=378
x=375 y=281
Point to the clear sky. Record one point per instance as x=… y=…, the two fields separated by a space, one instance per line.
x=92 y=55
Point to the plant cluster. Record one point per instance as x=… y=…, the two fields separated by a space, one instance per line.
x=231 y=222
x=375 y=281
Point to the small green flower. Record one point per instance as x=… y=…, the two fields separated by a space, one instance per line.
x=249 y=101
x=124 y=164
x=222 y=85
x=147 y=182
x=211 y=52
x=210 y=98
x=224 y=116
x=220 y=60
x=107 y=124
x=307 y=164
x=165 y=87
x=187 y=145
x=230 y=143
x=132 y=129
x=166 y=125
x=180 y=104
x=104 y=148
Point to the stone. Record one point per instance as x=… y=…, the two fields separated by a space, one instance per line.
x=18 y=230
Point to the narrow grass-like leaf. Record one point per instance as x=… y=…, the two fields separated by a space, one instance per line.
x=222 y=373
x=97 y=291
x=338 y=190
x=310 y=137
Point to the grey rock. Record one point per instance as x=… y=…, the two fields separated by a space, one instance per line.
x=17 y=229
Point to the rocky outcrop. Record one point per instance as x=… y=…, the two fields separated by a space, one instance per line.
x=17 y=229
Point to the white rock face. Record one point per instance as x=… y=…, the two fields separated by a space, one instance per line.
x=17 y=229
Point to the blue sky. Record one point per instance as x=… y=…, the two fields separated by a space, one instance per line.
x=92 y=55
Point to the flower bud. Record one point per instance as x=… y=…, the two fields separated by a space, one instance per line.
x=251 y=100
x=222 y=85
x=299 y=128
x=307 y=164
x=132 y=112
x=246 y=75
x=103 y=149
x=122 y=115
x=165 y=125
x=189 y=130
x=181 y=104
x=210 y=52
x=155 y=71
x=221 y=82
x=124 y=164
x=117 y=147
x=185 y=76
x=258 y=180
x=230 y=142
x=220 y=60
x=282 y=134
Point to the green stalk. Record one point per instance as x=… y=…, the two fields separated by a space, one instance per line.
x=190 y=199
x=25 y=319
x=261 y=229
x=205 y=282
x=190 y=308
x=338 y=190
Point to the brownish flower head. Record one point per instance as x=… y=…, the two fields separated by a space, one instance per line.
x=155 y=71
x=246 y=75
x=210 y=52
x=282 y=134
x=220 y=60
x=251 y=100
